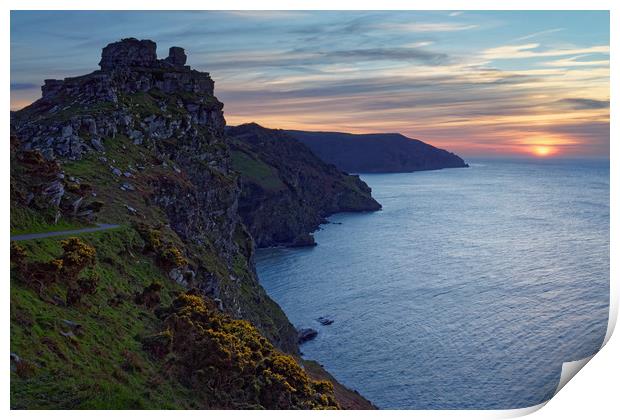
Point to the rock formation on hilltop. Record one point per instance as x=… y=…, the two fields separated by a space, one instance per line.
x=375 y=153
x=165 y=117
x=134 y=94
x=287 y=192
x=142 y=143
x=129 y=52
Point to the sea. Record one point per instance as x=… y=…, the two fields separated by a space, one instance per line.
x=468 y=290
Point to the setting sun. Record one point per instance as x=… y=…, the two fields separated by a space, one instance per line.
x=542 y=150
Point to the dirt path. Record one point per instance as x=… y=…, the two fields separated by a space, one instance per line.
x=28 y=236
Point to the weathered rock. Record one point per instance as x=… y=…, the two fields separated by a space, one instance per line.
x=97 y=144
x=54 y=191
x=324 y=320
x=182 y=276
x=127 y=53
x=302 y=240
x=131 y=210
x=71 y=324
x=76 y=205
x=67 y=131
x=136 y=136
x=306 y=334
x=126 y=186
x=76 y=327
x=68 y=334
x=176 y=56
x=219 y=303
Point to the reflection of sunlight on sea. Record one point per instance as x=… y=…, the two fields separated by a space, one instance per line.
x=468 y=290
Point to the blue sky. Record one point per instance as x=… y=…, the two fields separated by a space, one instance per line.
x=478 y=83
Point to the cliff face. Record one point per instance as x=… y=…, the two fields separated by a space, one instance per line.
x=384 y=152
x=166 y=310
x=286 y=190
x=147 y=136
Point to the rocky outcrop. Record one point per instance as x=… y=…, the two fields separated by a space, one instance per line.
x=375 y=153
x=128 y=52
x=42 y=186
x=76 y=114
x=168 y=112
x=287 y=192
x=176 y=57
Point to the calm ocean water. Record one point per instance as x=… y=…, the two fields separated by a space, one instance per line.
x=468 y=290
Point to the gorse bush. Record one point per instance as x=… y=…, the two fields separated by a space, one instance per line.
x=151 y=237
x=77 y=256
x=229 y=359
x=18 y=255
x=168 y=255
x=171 y=256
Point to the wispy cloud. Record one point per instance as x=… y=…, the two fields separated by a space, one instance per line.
x=307 y=60
x=265 y=14
x=511 y=52
x=23 y=86
x=427 y=27
x=584 y=103
x=419 y=44
x=402 y=54
x=576 y=62
x=540 y=33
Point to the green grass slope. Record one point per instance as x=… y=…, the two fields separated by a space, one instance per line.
x=125 y=344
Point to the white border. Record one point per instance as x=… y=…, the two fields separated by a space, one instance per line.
x=597 y=384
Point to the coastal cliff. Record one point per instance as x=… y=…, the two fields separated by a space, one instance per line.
x=376 y=153
x=168 y=303
x=287 y=192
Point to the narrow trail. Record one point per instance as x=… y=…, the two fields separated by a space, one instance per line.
x=29 y=236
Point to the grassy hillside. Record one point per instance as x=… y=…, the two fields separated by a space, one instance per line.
x=134 y=339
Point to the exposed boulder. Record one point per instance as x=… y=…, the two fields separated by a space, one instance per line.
x=306 y=334
x=128 y=52
x=54 y=191
x=323 y=320
x=176 y=57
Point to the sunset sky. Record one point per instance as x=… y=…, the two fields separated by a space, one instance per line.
x=476 y=83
